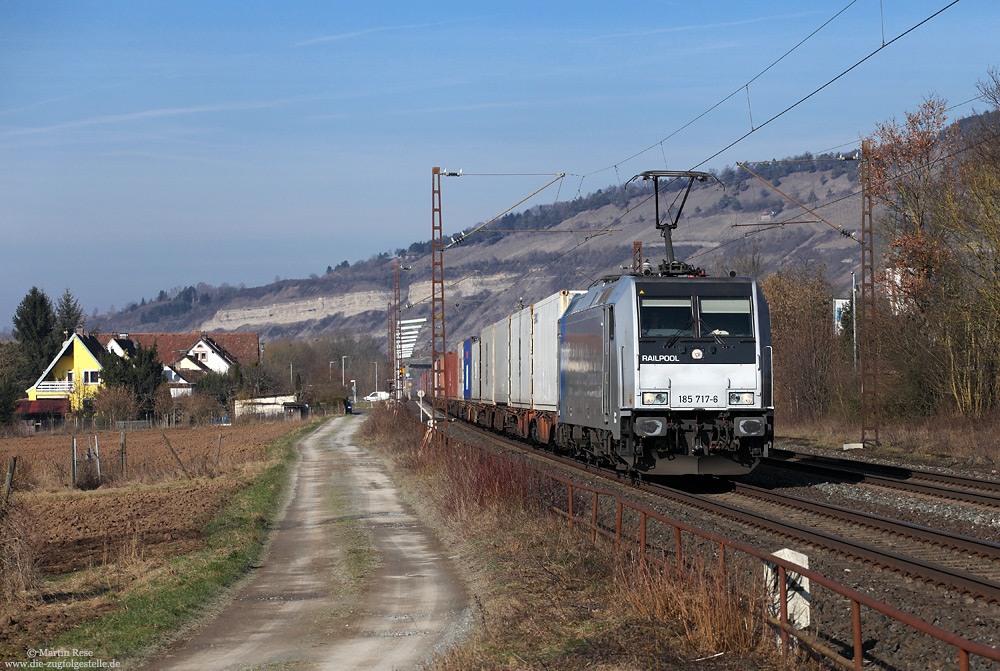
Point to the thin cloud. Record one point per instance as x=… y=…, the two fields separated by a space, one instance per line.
x=145 y=114
x=498 y=105
x=385 y=29
x=705 y=26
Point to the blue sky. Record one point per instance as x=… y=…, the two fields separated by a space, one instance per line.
x=150 y=145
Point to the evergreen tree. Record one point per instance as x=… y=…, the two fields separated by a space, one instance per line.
x=69 y=316
x=34 y=322
x=141 y=374
x=217 y=386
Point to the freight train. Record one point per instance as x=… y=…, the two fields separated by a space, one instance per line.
x=661 y=375
x=655 y=372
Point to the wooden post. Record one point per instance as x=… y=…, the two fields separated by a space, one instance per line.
x=97 y=455
x=124 y=458
x=175 y=455
x=218 y=449
x=73 y=463
x=8 y=485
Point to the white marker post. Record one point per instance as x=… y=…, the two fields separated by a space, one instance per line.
x=797 y=590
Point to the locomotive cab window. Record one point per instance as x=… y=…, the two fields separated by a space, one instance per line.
x=725 y=317
x=665 y=317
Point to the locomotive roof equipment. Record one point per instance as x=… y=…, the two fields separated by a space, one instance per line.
x=671 y=267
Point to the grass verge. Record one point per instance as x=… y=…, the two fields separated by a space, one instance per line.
x=158 y=604
x=549 y=598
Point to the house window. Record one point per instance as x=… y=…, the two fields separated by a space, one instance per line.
x=91 y=377
x=69 y=376
x=202 y=356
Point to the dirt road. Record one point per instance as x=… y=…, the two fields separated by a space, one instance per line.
x=297 y=614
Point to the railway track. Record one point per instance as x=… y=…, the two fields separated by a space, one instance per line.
x=964 y=564
x=938 y=485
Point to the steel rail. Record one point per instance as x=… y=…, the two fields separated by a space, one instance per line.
x=944 y=539
x=964 y=647
x=897 y=478
x=918 y=569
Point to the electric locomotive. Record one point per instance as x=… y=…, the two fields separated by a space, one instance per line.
x=667 y=374
x=659 y=371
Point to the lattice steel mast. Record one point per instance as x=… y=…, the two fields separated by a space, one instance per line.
x=869 y=342
x=438 y=349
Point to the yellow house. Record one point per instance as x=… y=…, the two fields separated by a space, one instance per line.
x=74 y=374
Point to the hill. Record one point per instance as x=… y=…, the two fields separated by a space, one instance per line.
x=744 y=225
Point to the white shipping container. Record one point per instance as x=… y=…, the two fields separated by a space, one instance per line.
x=520 y=358
x=476 y=370
x=486 y=363
x=501 y=362
x=545 y=317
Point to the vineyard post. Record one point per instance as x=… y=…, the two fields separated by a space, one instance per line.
x=73 y=463
x=218 y=449
x=175 y=455
x=124 y=457
x=97 y=455
x=8 y=485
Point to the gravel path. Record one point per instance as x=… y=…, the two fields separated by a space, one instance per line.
x=292 y=615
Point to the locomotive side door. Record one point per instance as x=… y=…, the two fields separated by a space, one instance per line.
x=608 y=369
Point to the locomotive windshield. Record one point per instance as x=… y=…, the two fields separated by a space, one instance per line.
x=674 y=317
x=725 y=316
x=666 y=317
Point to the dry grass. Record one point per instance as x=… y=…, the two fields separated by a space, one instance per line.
x=714 y=612
x=44 y=459
x=549 y=598
x=17 y=563
x=947 y=440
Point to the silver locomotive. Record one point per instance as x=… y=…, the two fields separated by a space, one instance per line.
x=659 y=371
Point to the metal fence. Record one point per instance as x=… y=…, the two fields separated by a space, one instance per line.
x=580 y=506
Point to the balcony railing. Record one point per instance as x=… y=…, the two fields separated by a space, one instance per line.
x=54 y=388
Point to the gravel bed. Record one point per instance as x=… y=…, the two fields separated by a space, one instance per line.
x=888 y=644
x=957 y=517
x=942 y=463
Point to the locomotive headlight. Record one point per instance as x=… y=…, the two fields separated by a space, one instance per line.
x=651 y=426
x=655 y=398
x=741 y=398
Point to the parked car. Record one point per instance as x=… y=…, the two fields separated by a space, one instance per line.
x=377 y=396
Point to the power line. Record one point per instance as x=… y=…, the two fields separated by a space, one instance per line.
x=744 y=87
x=728 y=97
x=810 y=95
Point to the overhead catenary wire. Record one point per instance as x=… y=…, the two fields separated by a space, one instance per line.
x=754 y=129
x=461 y=237
x=828 y=83
x=728 y=97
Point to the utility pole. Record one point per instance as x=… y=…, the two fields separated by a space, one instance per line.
x=396 y=333
x=439 y=402
x=343 y=367
x=869 y=342
x=390 y=340
x=854 y=320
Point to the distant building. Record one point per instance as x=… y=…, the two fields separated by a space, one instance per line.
x=840 y=307
x=271 y=407
x=74 y=375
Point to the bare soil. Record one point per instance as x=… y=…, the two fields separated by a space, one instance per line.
x=302 y=610
x=90 y=545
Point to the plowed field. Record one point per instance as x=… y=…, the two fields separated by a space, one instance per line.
x=155 y=511
x=44 y=461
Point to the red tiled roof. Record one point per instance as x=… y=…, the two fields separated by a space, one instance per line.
x=244 y=347
x=45 y=406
